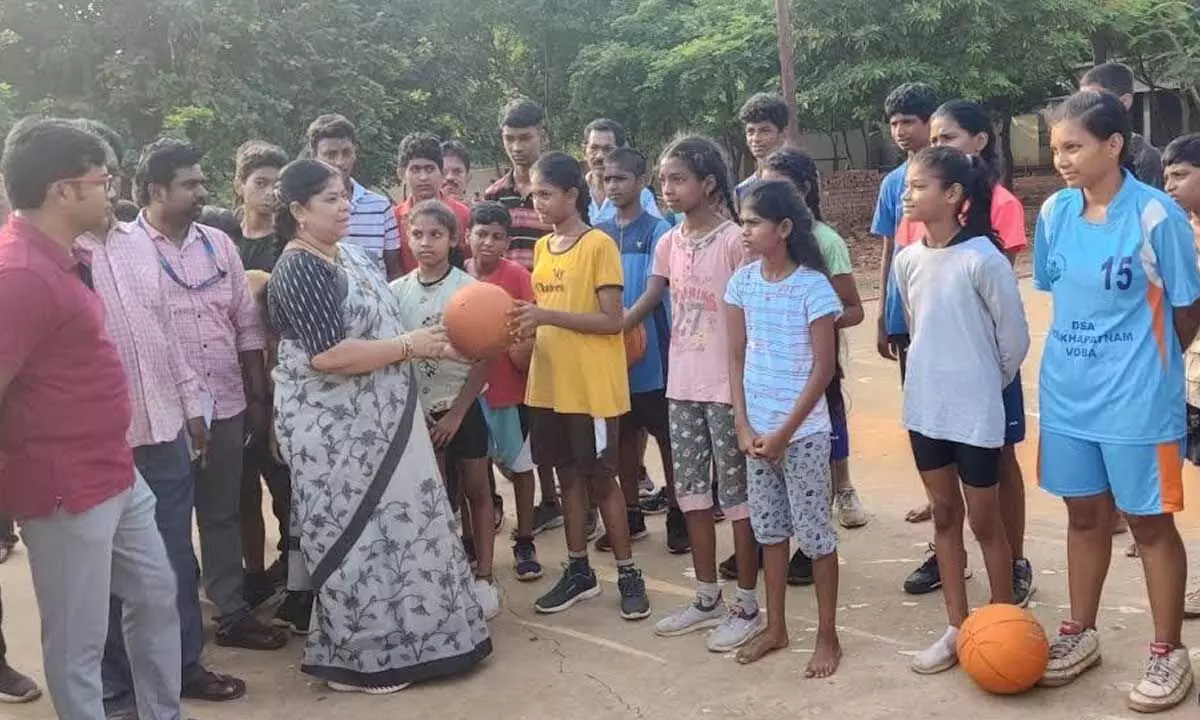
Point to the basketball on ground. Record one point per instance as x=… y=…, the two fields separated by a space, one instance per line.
x=635 y=344
x=1003 y=648
x=476 y=320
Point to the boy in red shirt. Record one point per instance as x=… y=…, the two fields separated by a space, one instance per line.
x=487 y=234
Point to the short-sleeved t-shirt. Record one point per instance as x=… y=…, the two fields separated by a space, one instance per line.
x=1112 y=368
x=888 y=214
x=638 y=240
x=833 y=249
x=779 y=352
x=260 y=253
x=573 y=372
x=698 y=271
x=506 y=382
x=421 y=305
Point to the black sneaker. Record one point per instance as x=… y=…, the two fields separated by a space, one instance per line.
x=1023 y=588
x=525 y=560
x=655 y=504
x=16 y=688
x=635 y=603
x=546 y=516
x=592 y=528
x=295 y=612
x=248 y=633
x=800 y=569
x=277 y=573
x=637 y=529
x=728 y=569
x=257 y=589
x=925 y=579
x=678 y=540
x=575 y=584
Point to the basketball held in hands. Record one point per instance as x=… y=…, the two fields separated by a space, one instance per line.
x=476 y=320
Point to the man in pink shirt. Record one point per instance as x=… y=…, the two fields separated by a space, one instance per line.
x=217 y=325
x=68 y=473
x=167 y=403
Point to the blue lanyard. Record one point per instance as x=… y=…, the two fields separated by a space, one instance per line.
x=208 y=250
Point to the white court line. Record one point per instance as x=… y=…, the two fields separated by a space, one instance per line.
x=689 y=593
x=594 y=639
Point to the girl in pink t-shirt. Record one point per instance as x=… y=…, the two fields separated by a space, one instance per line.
x=696 y=260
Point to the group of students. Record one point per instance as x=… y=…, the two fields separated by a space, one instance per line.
x=739 y=293
x=1118 y=257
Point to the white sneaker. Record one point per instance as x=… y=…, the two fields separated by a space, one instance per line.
x=735 y=630
x=1166 y=680
x=690 y=619
x=488 y=597
x=938 y=657
x=1074 y=651
x=373 y=690
x=850 y=511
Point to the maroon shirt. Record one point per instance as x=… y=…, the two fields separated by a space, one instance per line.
x=64 y=415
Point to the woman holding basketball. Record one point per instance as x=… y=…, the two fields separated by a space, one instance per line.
x=578 y=385
x=365 y=479
x=1118 y=260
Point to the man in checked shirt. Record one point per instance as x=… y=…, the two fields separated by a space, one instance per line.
x=218 y=327
x=165 y=396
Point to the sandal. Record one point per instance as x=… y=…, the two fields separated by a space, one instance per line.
x=250 y=634
x=213 y=687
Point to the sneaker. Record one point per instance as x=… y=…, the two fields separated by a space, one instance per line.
x=488 y=597
x=573 y=586
x=655 y=504
x=593 y=527
x=938 y=657
x=678 y=540
x=370 y=690
x=728 y=569
x=16 y=688
x=737 y=628
x=295 y=612
x=525 y=560
x=800 y=569
x=497 y=514
x=1023 y=587
x=635 y=603
x=645 y=484
x=691 y=618
x=277 y=573
x=1191 y=605
x=849 y=509
x=1166 y=680
x=637 y=529
x=546 y=516
x=927 y=578
x=257 y=589
x=1074 y=651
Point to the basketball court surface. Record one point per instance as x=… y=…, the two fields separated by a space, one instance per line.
x=588 y=664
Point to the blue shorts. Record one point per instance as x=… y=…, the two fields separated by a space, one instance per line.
x=1014 y=412
x=839 y=436
x=1144 y=479
x=509 y=434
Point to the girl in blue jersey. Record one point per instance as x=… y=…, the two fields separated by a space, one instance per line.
x=1118 y=260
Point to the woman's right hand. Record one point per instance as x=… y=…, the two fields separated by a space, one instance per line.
x=429 y=343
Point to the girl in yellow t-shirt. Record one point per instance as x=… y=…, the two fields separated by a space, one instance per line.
x=578 y=385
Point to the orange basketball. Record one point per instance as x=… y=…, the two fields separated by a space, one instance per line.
x=476 y=319
x=521 y=353
x=635 y=344
x=1003 y=648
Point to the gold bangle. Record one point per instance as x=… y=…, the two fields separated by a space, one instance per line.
x=406 y=347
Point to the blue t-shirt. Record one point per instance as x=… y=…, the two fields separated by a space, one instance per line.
x=888 y=214
x=779 y=356
x=637 y=241
x=1112 y=368
x=606 y=212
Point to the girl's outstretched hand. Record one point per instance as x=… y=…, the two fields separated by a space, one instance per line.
x=770 y=447
x=523 y=320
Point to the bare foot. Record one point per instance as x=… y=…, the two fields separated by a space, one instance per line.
x=919 y=514
x=827 y=655
x=761 y=646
